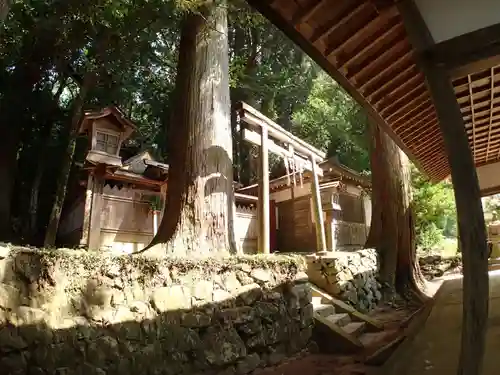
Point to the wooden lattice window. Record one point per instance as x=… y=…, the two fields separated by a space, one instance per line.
x=107 y=143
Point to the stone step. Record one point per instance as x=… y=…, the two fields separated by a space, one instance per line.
x=324 y=309
x=317 y=300
x=355 y=328
x=340 y=306
x=339 y=319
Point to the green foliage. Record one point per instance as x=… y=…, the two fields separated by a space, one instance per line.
x=491 y=208
x=434 y=210
x=333 y=122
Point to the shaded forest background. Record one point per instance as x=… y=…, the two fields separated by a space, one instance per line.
x=59 y=57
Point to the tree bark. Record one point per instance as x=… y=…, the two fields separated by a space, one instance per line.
x=4 y=9
x=65 y=168
x=392 y=230
x=200 y=200
x=31 y=227
x=18 y=87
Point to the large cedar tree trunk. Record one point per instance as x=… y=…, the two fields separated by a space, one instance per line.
x=65 y=168
x=392 y=230
x=199 y=208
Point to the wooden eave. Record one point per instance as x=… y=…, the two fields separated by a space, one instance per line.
x=132 y=178
x=114 y=112
x=337 y=177
x=363 y=45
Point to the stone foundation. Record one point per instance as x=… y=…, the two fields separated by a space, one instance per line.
x=71 y=312
x=350 y=276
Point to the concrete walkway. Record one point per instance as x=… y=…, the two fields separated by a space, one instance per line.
x=436 y=347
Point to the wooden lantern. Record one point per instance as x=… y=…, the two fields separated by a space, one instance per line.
x=107 y=129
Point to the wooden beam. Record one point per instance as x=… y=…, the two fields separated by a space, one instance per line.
x=253 y=117
x=254 y=138
x=264 y=205
x=470 y=215
x=318 y=210
x=87 y=211
x=467 y=49
x=476 y=66
x=490 y=191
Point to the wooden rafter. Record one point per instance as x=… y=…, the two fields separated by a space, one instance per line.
x=472 y=118
x=492 y=94
x=304 y=14
x=385 y=72
x=422 y=138
x=399 y=79
x=358 y=55
x=324 y=31
x=408 y=115
x=423 y=97
x=360 y=33
x=420 y=86
x=414 y=123
x=398 y=47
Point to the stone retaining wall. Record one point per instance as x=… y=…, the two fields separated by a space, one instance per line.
x=70 y=312
x=350 y=276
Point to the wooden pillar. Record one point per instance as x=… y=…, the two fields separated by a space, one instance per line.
x=96 y=211
x=163 y=200
x=264 y=223
x=318 y=210
x=84 y=240
x=155 y=222
x=471 y=225
x=331 y=229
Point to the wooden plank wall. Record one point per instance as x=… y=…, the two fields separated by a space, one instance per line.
x=296 y=227
x=126 y=220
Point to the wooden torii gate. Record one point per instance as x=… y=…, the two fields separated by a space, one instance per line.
x=260 y=132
